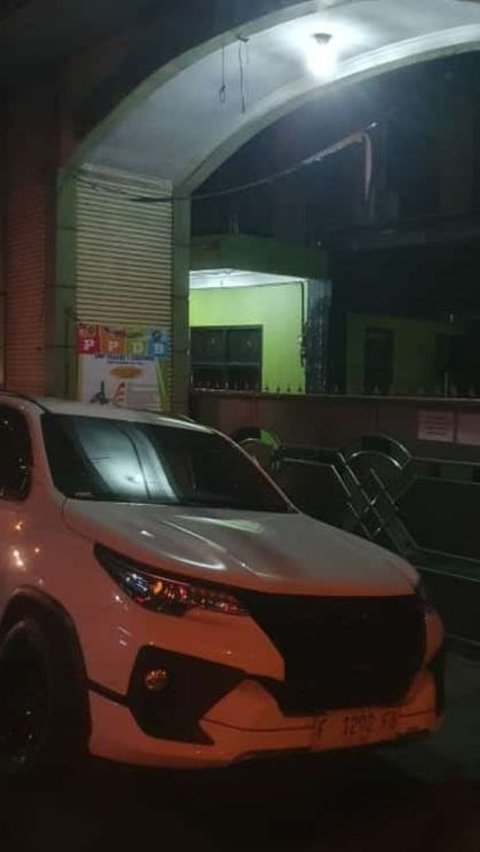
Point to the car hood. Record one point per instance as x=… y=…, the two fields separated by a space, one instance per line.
x=285 y=553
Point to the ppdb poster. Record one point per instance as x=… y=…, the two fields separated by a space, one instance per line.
x=126 y=366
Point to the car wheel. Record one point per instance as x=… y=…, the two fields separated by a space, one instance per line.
x=38 y=729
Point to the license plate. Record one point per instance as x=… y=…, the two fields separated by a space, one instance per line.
x=355 y=728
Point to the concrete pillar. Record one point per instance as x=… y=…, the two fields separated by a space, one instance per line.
x=29 y=231
x=180 y=327
x=61 y=319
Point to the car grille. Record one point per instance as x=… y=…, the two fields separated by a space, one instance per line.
x=341 y=652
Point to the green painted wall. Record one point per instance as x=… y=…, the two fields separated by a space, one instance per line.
x=414 y=352
x=277 y=308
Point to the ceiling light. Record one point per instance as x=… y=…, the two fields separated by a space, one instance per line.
x=322 y=55
x=223 y=278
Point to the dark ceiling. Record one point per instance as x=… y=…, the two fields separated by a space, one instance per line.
x=42 y=32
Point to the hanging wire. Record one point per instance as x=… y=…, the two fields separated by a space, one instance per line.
x=360 y=137
x=242 y=61
x=243 y=101
x=222 y=92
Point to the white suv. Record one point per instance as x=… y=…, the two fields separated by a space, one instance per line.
x=162 y=603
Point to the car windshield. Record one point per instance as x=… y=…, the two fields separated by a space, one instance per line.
x=96 y=458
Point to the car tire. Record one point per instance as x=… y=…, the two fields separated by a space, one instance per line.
x=40 y=720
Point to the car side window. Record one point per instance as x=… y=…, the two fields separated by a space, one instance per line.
x=15 y=455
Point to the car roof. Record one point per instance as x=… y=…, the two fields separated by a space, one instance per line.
x=72 y=408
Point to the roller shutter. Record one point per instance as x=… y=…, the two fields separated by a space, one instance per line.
x=124 y=250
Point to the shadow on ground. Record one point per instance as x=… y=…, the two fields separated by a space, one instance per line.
x=417 y=798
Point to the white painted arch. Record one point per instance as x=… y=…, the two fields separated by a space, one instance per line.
x=178 y=127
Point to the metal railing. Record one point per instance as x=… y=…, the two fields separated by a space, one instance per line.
x=367 y=490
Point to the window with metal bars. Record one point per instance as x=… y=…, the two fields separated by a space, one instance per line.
x=227 y=357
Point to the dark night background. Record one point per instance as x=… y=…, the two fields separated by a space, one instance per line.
x=414 y=249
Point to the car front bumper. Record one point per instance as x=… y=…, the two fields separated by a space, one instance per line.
x=247 y=723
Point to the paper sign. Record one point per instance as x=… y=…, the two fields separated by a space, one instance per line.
x=436 y=426
x=124 y=365
x=121 y=381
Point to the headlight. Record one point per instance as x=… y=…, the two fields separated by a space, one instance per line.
x=424 y=597
x=164 y=594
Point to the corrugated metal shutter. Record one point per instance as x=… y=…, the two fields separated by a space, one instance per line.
x=124 y=250
x=27 y=234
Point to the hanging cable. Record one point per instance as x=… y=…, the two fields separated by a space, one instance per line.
x=360 y=137
x=242 y=62
x=222 y=92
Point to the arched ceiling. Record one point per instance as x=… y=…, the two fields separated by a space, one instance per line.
x=186 y=120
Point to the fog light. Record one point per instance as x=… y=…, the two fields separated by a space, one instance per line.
x=156 y=680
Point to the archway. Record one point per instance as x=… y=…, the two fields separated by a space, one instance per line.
x=169 y=135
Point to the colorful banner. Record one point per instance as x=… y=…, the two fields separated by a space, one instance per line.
x=132 y=341
x=112 y=341
x=123 y=365
x=88 y=341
